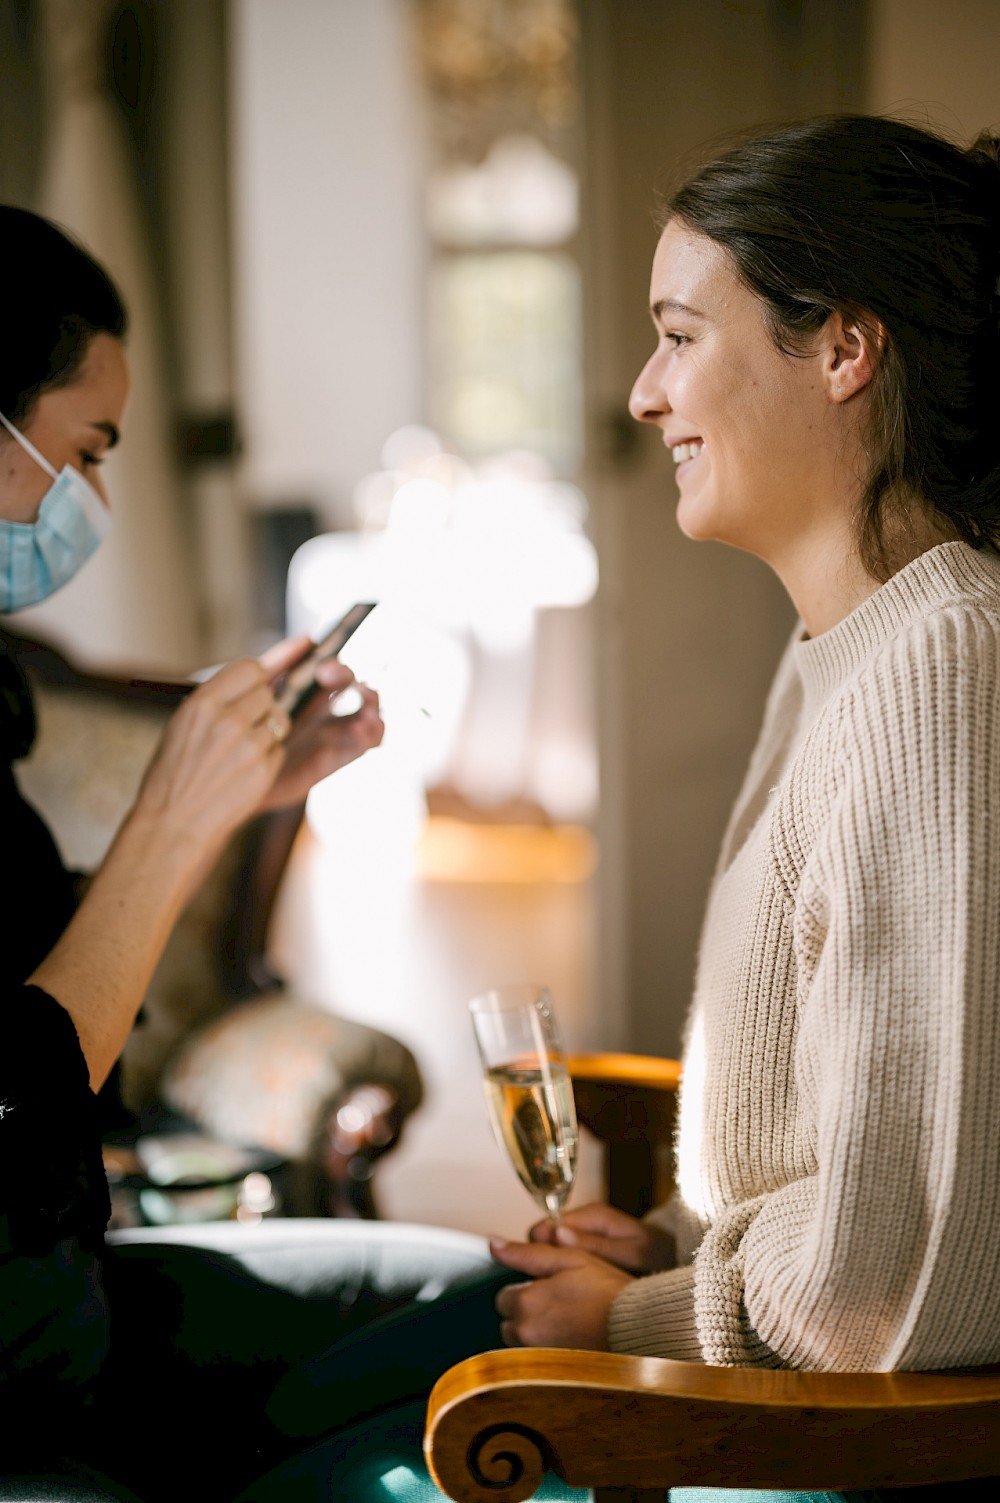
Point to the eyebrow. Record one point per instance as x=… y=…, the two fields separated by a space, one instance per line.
x=108 y=429
x=670 y=305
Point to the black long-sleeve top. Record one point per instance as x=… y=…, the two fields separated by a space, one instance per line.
x=54 y=1203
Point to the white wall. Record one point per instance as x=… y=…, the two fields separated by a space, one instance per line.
x=328 y=242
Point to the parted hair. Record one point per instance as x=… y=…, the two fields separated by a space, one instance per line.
x=886 y=223
x=57 y=298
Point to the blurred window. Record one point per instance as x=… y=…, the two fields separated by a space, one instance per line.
x=504 y=345
x=504 y=354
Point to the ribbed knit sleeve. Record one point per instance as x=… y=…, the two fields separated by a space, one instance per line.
x=654 y=1317
x=842 y=1078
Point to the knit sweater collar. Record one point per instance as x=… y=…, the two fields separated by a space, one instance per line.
x=938 y=576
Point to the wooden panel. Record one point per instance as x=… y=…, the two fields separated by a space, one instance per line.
x=629 y=1102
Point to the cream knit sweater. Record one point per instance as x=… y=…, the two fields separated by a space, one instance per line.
x=839 y=1139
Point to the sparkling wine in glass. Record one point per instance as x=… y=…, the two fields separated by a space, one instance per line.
x=528 y=1089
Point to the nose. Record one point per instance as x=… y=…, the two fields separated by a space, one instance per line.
x=647 y=403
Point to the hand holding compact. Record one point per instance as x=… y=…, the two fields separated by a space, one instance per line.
x=218 y=758
x=231 y=751
x=320 y=740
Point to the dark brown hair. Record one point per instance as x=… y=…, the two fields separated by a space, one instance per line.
x=886 y=223
x=57 y=298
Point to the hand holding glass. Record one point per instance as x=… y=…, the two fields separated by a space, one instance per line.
x=528 y=1089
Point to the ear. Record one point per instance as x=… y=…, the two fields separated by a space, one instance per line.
x=852 y=350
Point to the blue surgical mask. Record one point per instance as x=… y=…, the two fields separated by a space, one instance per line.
x=37 y=558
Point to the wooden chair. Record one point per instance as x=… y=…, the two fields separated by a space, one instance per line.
x=631 y=1427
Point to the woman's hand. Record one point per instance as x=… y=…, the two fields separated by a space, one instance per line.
x=230 y=752
x=217 y=759
x=319 y=742
x=227 y=753
x=566 y=1304
x=636 y=1246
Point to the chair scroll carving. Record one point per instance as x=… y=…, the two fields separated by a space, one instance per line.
x=506 y=1456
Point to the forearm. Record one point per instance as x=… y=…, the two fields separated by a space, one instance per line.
x=216 y=766
x=101 y=966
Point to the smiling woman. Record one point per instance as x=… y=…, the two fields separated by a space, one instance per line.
x=771 y=444
x=826 y=378
x=751 y=429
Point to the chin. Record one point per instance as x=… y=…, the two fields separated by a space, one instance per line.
x=704 y=518
x=698 y=521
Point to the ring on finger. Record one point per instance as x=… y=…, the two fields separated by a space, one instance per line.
x=276 y=727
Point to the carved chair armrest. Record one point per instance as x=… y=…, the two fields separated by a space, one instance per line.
x=629 y=1102
x=497 y=1422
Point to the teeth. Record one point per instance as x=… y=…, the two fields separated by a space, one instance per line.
x=681 y=452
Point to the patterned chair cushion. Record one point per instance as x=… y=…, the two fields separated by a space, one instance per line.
x=263 y=1073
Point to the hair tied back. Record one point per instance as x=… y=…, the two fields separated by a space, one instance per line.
x=985 y=151
x=987 y=146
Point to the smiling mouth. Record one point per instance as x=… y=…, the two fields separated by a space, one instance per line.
x=687 y=450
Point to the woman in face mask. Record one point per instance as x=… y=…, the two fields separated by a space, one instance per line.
x=73 y=975
x=149 y=1362
x=229 y=752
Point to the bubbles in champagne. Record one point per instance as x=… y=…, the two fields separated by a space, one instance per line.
x=534 y=1119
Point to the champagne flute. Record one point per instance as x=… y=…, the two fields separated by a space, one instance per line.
x=528 y=1089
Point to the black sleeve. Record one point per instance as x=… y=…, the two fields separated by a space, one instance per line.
x=52 y=1182
x=38 y=896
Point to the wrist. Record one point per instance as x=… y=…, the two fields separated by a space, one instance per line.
x=157 y=848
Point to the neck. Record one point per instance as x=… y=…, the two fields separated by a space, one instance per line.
x=824 y=587
x=826 y=578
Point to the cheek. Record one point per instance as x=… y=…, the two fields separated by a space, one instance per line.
x=24 y=487
x=698 y=391
x=760 y=415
